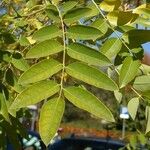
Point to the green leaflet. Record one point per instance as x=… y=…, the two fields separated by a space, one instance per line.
x=91 y=76
x=65 y=7
x=131 y=37
x=147 y=114
x=40 y=71
x=45 y=48
x=142 y=83
x=35 y=93
x=9 y=77
x=19 y=62
x=86 y=101
x=24 y=41
x=142 y=11
x=52 y=13
x=128 y=71
x=107 y=5
x=133 y=105
x=50 y=118
x=76 y=14
x=111 y=47
x=100 y=24
x=82 y=32
x=142 y=21
x=118 y=96
x=87 y=55
x=46 y=33
x=3 y=106
x=121 y=18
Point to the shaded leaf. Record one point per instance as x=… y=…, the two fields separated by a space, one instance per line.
x=91 y=76
x=111 y=47
x=87 y=55
x=86 y=101
x=45 y=48
x=76 y=14
x=3 y=106
x=128 y=71
x=82 y=32
x=148 y=119
x=35 y=93
x=46 y=33
x=133 y=105
x=40 y=71
x=142 y=83
x=136 y=37
x=50 y=118
x=9 y=77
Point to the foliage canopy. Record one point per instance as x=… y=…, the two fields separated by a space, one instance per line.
x=50 y=51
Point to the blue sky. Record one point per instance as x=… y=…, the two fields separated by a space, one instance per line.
x=146 y=47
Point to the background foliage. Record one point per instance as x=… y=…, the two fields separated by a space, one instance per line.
x=54 y=51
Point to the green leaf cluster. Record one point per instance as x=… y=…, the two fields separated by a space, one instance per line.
x=64 y=45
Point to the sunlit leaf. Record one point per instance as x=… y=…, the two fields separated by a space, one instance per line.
x=40 y=71
x=118 y=95
x=100 y=24
x=35 y=93
x=82 y=32
x=46 y=33
x=111 y=47
x=107 y=5
x=87 y=55
x=52 y=13
x=68 y=5
x=45 y=48
x=142 y=83
x=19 y=62
x=50 y=117
x=76 y=14
x=86 y=101
x=128 y=71
x=91 y=76
x=121 y=18
x=133 y=105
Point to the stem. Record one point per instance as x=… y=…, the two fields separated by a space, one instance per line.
x=64 y=51
x=123 y=42
x=137 y=93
